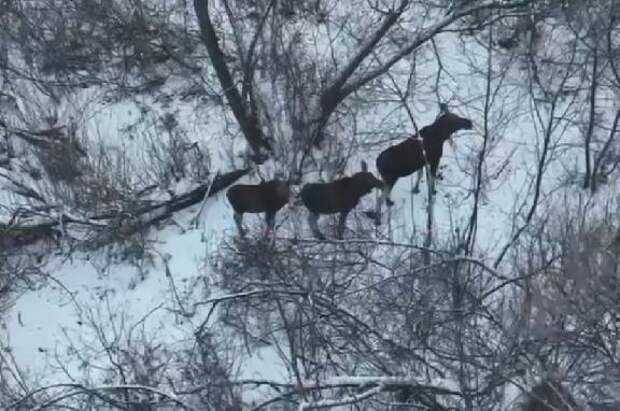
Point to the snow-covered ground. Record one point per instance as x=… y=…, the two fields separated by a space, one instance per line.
x=42 y=323
x=122 y=292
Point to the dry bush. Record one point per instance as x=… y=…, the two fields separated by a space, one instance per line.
x=571 y=304
x=19 y=270
x=207 y=373
x=12 y=381
x=342 y=308
x=171 y=156
x=61 y=155
x=550 y=396
x=114 y=362
x=130 y=45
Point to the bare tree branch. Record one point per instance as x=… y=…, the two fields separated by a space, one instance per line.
x=79 y=389
x=592 y=113
x=422 y=38
x=141 y=217
x=342 y=85
x=549 y=126
x=333 y=94
x=601 y=156
x=248 y=122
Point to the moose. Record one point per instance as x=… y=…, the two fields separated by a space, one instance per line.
x=339 y=196
x=415 y=152
x=266 y=197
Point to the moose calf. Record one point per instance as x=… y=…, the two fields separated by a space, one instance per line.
x=266 y=197
x=339 y=196
x=414 y=153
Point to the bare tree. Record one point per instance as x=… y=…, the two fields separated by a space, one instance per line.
x=335 y=80
x=370 y=323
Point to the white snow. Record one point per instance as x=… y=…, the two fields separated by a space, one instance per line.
x=42 y=321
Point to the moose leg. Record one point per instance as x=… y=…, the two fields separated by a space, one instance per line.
x=383 y=198
x=385 y=194
x=239 y=222
x=378 y=208
x=270 y=219
x=313 y=222
x=431 y=183
x=416 y=188
x=433 y=175
x=341 y=224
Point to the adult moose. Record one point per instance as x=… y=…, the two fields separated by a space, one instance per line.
x=415 y=152
x=267 y=197
x=339 y=196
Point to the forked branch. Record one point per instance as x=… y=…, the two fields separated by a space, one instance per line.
x=424 y=36
x=345 y=83
x=248 y=123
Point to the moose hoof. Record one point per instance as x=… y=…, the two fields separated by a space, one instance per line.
x=389 y=202
x=416 y=190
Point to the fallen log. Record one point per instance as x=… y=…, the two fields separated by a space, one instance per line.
x=19 y=234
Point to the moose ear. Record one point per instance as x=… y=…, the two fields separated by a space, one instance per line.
x=364 y=166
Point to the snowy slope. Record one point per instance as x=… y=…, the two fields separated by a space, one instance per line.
x=41 y=322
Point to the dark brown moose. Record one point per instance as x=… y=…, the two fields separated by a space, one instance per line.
x=413 y=154
x=267 y=197
x=339 y=196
